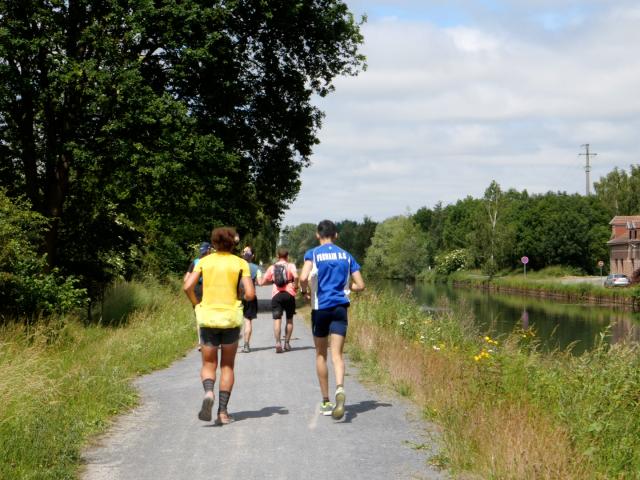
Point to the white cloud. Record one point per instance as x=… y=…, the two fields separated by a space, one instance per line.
x=444 y=109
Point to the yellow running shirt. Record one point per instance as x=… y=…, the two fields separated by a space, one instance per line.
x=220 y=306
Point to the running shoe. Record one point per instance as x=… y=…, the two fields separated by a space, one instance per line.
x=287 y=347
x=245 y=348
x=338 y=411
x=326 y=408
x=278 y=348
x=205 y=410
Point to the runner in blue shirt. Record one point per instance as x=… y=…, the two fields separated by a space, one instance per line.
x=250 y=307
x=328 y=276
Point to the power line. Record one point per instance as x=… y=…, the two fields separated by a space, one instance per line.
x=587 y=167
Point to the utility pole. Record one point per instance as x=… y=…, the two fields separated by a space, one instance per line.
x=587 y=167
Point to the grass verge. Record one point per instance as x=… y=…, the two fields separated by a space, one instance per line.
x=62 y=381
x=507 y=411
x=540 y=285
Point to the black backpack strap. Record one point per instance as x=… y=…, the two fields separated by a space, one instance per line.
x=238 y=285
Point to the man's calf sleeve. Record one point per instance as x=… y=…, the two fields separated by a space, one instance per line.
x=224 y=401
x=208 y=384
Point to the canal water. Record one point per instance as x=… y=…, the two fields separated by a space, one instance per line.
x=557 y=325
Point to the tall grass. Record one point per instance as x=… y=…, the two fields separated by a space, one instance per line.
x=61 y=382
x=507 y=411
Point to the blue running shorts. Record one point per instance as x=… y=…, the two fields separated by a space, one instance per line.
x=330 y=320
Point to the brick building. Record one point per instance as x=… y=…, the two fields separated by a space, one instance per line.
x=624 y=246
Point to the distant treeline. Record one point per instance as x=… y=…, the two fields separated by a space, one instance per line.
x=491 y=233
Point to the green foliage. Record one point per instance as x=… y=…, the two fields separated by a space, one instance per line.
x=398 y=250
x=26 y=287
x=356 y=237
x=452 y=261
x=136 y=129
x=593 y=397
x=497 y=230
x=559 y=229
x=603 y=431
x=400 y=314
x=63 y=381
x=619 y=191
x=490 y=267
x=554 y=271
x=298 y=240
x=262 y=238
x=353 y=236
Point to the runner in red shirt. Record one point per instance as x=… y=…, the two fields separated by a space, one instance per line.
x=284 y=277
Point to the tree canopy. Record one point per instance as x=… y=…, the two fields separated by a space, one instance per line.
x=398 y=249
x=134 y=127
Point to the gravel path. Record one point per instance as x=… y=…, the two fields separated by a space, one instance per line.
x=277 y=433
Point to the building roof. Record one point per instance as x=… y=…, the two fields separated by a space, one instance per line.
x=624 y=219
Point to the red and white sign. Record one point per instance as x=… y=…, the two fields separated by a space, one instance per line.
x=524 y=260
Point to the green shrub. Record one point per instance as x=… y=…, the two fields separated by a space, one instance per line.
x=452 y=261
x=26 y=287
x=490 y=267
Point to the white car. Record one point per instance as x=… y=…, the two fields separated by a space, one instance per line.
x=617 y=280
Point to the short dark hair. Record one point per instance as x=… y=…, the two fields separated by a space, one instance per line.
x=327 y=229
x=223 y=239
x=282 y=252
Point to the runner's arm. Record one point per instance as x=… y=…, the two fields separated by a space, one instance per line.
x=249 y=289
x=267 y=278
x=304 y=277
x=191 y=279
x=357 y=285
x=186 y=274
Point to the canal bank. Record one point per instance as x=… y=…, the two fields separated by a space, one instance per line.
x=506 y=408
x=571 y=289
x=559 y=324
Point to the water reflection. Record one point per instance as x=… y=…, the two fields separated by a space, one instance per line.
x=557 y=325
x=524 y=319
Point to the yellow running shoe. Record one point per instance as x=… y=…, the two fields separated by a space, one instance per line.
x=338 y=411
x=326 y=408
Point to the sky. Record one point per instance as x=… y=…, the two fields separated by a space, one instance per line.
x=458 y=93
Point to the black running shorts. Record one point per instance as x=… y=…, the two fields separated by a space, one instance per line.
x=283 y=302
x=250 y=308
x=214 y=337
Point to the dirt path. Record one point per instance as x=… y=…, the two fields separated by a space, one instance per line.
x=278 y=432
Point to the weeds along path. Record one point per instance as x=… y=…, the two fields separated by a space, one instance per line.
x=278 y=432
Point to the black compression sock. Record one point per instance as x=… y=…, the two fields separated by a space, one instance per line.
x=208 y=384
x=223 y=401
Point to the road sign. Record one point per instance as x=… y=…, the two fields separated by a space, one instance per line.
x=524 y=260
x=600 y=264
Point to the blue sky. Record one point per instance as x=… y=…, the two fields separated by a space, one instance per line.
x=458 y=93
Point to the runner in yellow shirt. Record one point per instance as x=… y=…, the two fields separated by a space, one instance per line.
x=219 y=317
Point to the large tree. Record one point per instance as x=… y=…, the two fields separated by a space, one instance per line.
x=398 y=249
x=356 y=237
x=298 y=239
x=619 y=191
x=138 y=125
